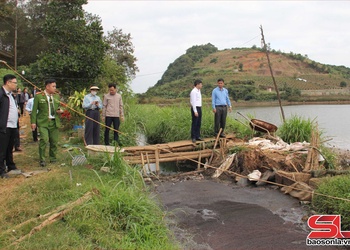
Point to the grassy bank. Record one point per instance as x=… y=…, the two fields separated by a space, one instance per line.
x=122 y=213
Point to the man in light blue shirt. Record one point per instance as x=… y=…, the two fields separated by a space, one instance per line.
x=220 y=103
x=92 y=104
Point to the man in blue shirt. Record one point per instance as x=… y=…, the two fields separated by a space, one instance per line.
x=220 y=103
x=92 y=104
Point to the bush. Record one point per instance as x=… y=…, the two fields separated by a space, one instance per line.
x=296 y=129
x=334 y=187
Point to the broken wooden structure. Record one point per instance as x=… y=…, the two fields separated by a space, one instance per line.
x=167 y=152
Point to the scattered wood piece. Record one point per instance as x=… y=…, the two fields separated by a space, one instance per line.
x=55 y=215
x=216 y=142
x=224 y=166
x=312 y=162
x=299 y=190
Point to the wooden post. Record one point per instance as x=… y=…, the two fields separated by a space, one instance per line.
x=199 y=161
x=156 y=153
x=148 y=165
x=216 y=142
x=143 y=164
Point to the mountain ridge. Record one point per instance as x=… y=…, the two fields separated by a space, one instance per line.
x=247 y=70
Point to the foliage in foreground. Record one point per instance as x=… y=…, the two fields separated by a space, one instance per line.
x=337 y=186
x=121 y=216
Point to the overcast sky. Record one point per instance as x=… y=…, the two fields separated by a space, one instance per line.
x=163 y=30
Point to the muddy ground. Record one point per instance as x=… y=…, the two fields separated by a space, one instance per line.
x=221 y=213
x=215 y=214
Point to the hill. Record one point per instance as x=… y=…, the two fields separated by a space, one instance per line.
x=247 y=75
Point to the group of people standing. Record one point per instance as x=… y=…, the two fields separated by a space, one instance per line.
x=220 y=105
x=112 y=113
x=45 y=110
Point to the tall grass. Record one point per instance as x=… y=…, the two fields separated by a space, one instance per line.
x=296 y=129
x=173 y=123
x=337 y=186
x=124 y=215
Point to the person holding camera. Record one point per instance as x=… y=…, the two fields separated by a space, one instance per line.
x=92 y=104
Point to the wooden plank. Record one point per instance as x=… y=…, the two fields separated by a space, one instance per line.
x=171 y=157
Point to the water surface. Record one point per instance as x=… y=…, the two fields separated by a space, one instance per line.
x=333 y=120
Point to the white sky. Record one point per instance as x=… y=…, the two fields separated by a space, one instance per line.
x=163 y=30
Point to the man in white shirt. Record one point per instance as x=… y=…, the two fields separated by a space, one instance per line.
x=196 y=110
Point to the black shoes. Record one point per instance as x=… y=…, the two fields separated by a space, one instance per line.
x=193 y=140
x=18 y=149
x=4 y=176
x=222 y=135
x=199 y=139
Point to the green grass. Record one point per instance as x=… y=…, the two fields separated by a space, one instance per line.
x=296 y=129
x=173 y=123
x=337 y=186
x=124 y=214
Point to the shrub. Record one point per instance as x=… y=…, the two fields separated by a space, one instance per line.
x=296 y=129
x=334 y=187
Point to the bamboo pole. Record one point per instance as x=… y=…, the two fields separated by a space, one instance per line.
x=143 y=164
x=273 y=78
x=57 y=214
x=156 y=153
x=216 y=141
x=199 y=161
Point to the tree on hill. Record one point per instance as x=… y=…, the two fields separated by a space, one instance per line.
x=183 y=65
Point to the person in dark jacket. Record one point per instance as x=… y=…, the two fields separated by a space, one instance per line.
x=8 y=124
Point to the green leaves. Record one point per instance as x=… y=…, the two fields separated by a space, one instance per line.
x=75 y=46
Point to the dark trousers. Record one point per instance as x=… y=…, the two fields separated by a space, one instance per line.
x=17 y=142
x=92 y=128
x=21 y=107
x=109 y=121
x=196 y=123
x=35 y=134
x=7 y=141
x=220 y=119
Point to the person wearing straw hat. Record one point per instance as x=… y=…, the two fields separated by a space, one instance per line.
x=92 y=104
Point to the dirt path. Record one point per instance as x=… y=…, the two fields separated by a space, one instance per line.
x=214 y=215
